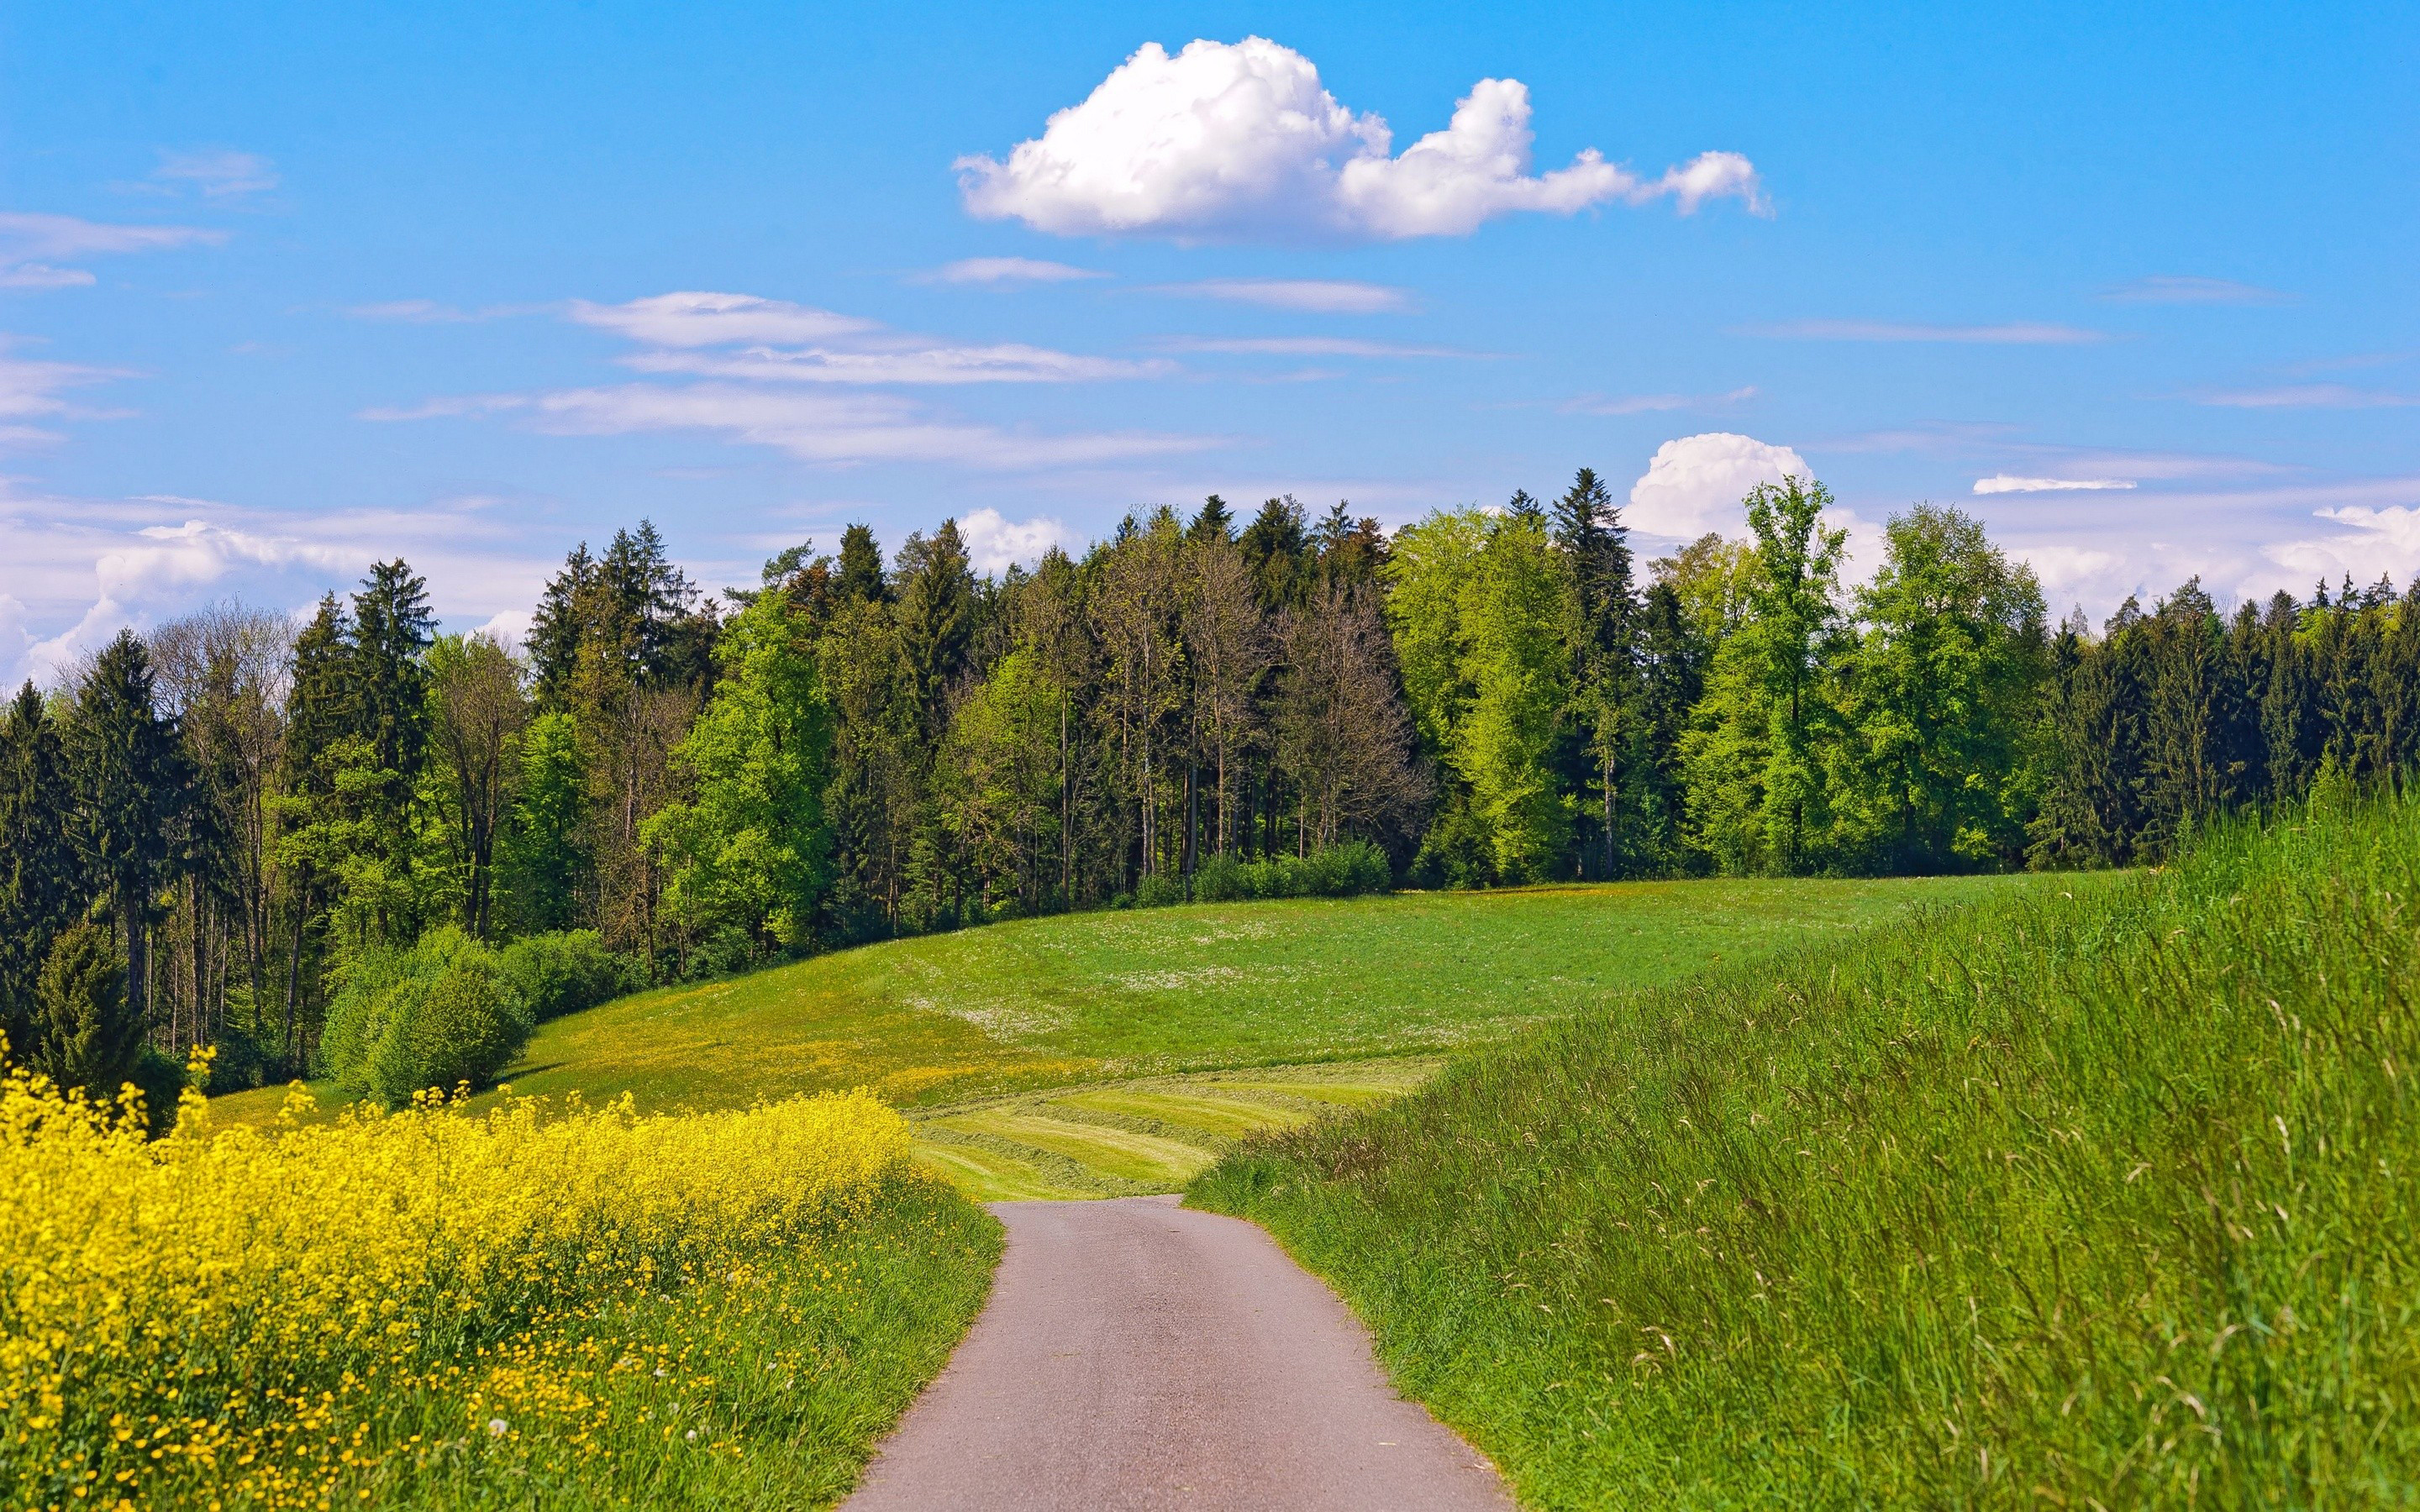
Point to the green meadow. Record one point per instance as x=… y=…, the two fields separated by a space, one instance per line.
x=2104 y=1193
x=966 y=1030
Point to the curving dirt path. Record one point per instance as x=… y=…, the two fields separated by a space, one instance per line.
x=1135 y=1354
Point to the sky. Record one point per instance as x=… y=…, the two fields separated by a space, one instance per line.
x=285 y=289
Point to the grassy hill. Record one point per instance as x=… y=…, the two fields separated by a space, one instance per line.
x=2097 y=1196
x=968 y=1030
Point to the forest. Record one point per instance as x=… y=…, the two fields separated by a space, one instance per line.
x=300 y=842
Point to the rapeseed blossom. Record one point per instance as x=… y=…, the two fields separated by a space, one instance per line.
x=207 y=1319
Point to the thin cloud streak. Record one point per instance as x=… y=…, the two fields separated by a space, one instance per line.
x=2177 y=288
x=2013 y=334
x=1318 y=296
x=1310 y=347
x=2308 y=397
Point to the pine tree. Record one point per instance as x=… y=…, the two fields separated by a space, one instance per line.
x=936 y=621
x=131 y=782
x=1598 y=612
x=1216 y=522
x=90 y=1025
x=860 y=567
x=1277 y=554
x=38 y=878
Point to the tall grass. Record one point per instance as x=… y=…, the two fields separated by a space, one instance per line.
x=2102 y=1197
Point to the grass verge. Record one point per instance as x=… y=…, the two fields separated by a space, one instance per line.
x=2102 y=1197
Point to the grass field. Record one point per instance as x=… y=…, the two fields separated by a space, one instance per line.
x=966 y=1029
x=1099 y=996
x=2101 y=1195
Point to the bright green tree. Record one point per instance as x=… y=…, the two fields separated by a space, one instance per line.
x=1760 y=753
x=1944 y=679
x=751 y=849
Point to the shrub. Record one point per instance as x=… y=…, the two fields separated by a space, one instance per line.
x=86 y=1034
x=438 y=1014
x=1159 y=889
x=564 y=971
x=1331 y=871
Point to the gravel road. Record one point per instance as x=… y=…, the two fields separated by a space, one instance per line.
x=1135 y=1354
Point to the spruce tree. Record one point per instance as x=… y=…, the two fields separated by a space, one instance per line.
x=37 y=864
x=937 y=619
x=90 y=1032
x=862 y=579
x=130 y=780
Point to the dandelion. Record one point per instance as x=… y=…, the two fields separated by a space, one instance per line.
x=496 y=1428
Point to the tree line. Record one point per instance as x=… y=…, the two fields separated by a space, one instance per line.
x=209 y=833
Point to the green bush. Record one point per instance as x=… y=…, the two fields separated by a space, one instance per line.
x=1331 y=871
x=1159 y=889
x=564 y=971
x=436 y=1015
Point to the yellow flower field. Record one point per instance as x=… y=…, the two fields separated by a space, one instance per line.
x=402 y=1307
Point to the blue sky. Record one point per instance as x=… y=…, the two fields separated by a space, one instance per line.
x=287 y=287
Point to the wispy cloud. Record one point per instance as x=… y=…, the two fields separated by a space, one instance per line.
x=912 y=365
x=835 y=428
x=431 y=313
x=1322 y=295
x=2003 y=483
x=1310 y=347
x=32 y=390
x=1649 y=404
x=2308 y=397
x=29 y=241
x=694 y=318
x=993 y=271
x=2176 y=288
x=2012 y=334
x=217 y=174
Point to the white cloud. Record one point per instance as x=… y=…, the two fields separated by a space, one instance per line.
x=1324 y=296
x=2309 y=396
x=2174 y=288
x=2018 y=334
x=692 y=318
x=28 y=240
x=997 y=270
x=2003 y=483
x=1311 y=347
x=81 y=569
x=1240 y=139
x=1695 y=484
x=2373 y=540
x=218 y=175
x=995 y=542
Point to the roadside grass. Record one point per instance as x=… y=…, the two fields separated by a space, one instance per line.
x=787 y=1380
x=2093 y=1197
x=1093 y=997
